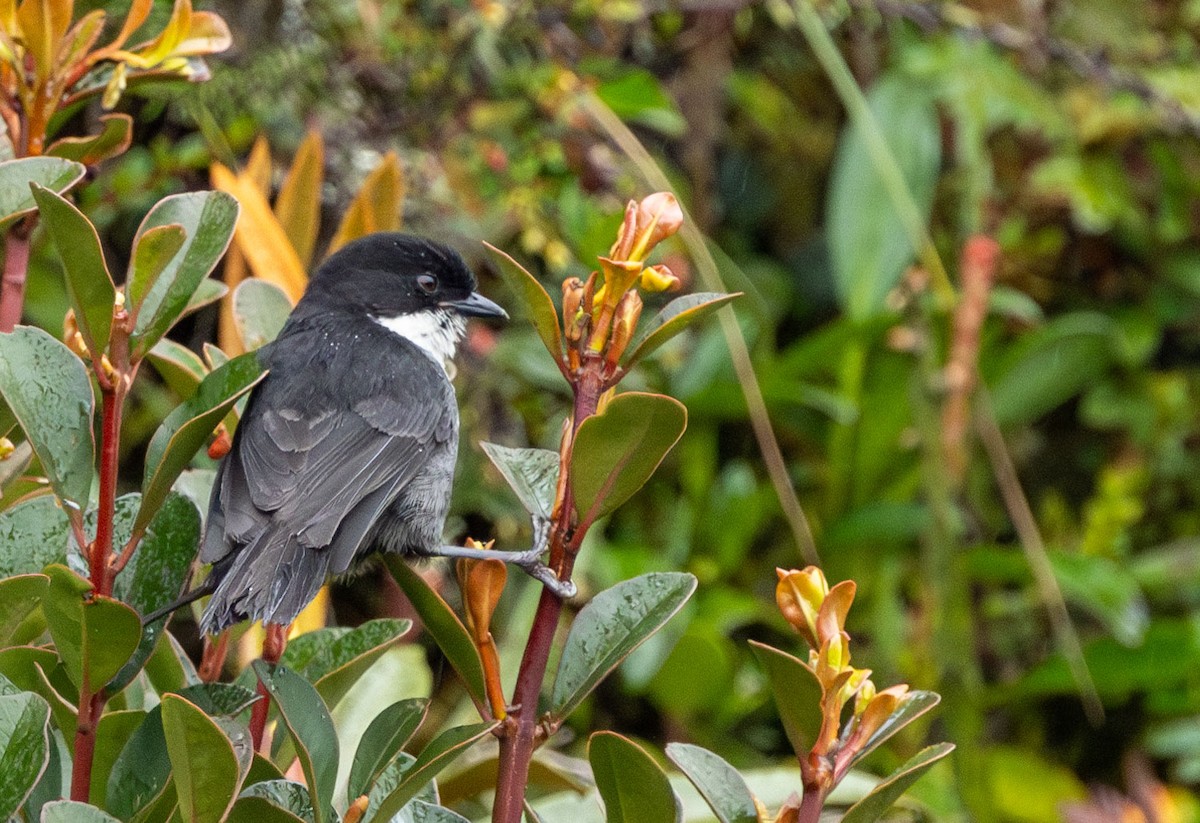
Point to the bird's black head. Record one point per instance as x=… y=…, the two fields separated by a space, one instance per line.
x=389 y=275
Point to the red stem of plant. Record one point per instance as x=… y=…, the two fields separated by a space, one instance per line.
x=110 y=428
x=274 y=645
x=16 y=264
x=519 y=743
x=811 y=805
x=90 y=708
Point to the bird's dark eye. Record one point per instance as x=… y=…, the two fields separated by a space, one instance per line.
x=428 y=283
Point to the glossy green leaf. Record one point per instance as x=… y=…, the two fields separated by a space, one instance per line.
x=633 y=787
x=311 y=728
x=383 y=739
x=273 y=801
x=443 y=626
x=536 y=301
x=673 y=319
x=869 y=244
x=205 y=767
x=113 y=139
x=48 y=389
x=615 y=452
x=169 y=669
x=208 y=292
x=112 y=735
x=339 y=663
x=142 y=770
x=152 y=251
x=16 y=198
x=797 y=694
x=719 y=784
x=71 y=811
x=208 y=219
x=549 y=770
x=438 y=754
x=24 y=747
x=875 y=805
x=180 y=367
x=420 y=811
x=50 y=787
x=158 y=572
x=612 y=625
x=259 y=311
x=33 y=534
x=90 y=287
x=189 y=426
x=31 y=669
x=19 y=596
x=97 y=634
x=532 y=474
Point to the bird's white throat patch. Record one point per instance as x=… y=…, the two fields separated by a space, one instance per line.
x=437 y=332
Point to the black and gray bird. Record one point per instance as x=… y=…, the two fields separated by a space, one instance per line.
x=348 y=446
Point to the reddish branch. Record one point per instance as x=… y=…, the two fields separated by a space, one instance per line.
x=16 y=264
x=522 y=731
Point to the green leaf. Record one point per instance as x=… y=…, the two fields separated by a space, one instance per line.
x=208 y=292
x=19 y=596
x=24 y=748
x=97 y=635
x=259 y=311
x=49 y=787
x=419 y=811
x=537 y=303
x=89 y=285
x=674 y=318
x=273 y=801
x=16 y=198
x=797 y=695
x=189 y=426
x=71 y=811
x=48 y=389
x=636 y=95
x=633 y=787
x=383 y=739
x=113 y=139
x=142 y=770
x=347 y=658
x=532 y=474
x=719 y=783
x=311 y=728
x=616 y=622
x=203 y=761
x=169 y=669
x=616 y=451
x=180 y=367
x=208 y=219
x=1049 y=366
x=112 y=735
x=158 y=572
x=443 y=626
x=869 y=245
x=33 y=669
x=152 y=251
x=874 y=805
x=440 y=752
x=33 y=534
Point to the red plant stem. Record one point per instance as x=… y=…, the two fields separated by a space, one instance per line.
x=274 y=645
x=811 y=805
x=16 y=264
x=113 y=397
x=518 y=744
x=90 y=707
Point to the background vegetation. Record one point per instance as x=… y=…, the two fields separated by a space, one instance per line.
x=1028 y=550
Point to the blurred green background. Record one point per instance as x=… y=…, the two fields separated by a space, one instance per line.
x=1064 y=129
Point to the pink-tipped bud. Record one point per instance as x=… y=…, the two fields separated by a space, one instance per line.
x=799 y=595
x=658 y=217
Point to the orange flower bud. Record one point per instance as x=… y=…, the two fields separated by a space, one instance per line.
x=877 y=711
x=482 y=583
x=799 y=596
x=624 y=324
x=626 y=234
x=573 y=292
x=831 y=619
x=659 y=278
x=619 y=277
x=789 y=812
x=221 y=443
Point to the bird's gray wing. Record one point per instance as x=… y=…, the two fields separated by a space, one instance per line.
x=310 y=471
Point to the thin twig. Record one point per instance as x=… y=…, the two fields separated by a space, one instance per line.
x=760 y=420
x=1035 y=554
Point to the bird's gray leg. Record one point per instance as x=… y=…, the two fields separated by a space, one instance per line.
x=529 y=561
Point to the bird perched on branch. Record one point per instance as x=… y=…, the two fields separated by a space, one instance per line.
x=348 y=446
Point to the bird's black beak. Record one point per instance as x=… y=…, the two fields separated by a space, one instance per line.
x=475 y=305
